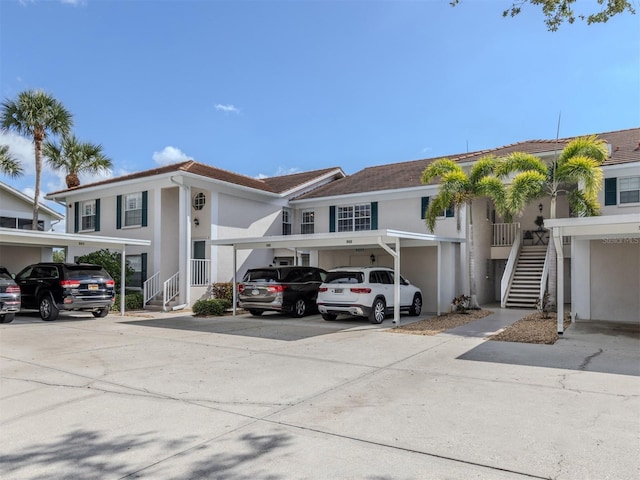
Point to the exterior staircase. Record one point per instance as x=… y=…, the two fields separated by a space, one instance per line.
x=156 y=304
x=524 y=290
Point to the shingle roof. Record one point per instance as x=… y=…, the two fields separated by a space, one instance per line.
x=625 y=147
x=272 y=184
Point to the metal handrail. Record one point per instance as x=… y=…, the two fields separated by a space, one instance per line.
x=200 y=272
x=151 y=287
x=171 y=288
x=510 y=268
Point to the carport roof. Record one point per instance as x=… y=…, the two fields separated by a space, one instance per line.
x=12 y=236
x=334 y=240
x=601 y=227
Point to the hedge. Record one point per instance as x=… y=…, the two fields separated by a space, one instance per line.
x=132 y=301
x=212 y=306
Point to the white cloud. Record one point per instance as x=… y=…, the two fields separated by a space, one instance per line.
x=21 y=148
x=75 y=3
x=279 y=172
x=170 y=155
x=227 y=108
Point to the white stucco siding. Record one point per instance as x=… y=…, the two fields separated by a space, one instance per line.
x=404 y=214
x=15 y=258
x=618 y=172
x=615 y=279
x=12 y=206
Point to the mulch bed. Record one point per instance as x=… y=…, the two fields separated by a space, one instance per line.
x=441 y=323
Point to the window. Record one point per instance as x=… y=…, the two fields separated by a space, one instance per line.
x=19 y=223
x=199 y=200
x=139 y=265
x=88 y=215
x=354 y=218
x=629 y=190
x=308 y=222
x=133 y=210
x=286 y=221
x=424 y=205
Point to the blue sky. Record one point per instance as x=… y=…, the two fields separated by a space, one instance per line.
x=272 y=87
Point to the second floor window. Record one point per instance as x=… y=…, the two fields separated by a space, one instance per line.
x=133 y=209
x=354 y=218
x=88 y=215
x=286 y=221
x=629 y=190
x=307 y=225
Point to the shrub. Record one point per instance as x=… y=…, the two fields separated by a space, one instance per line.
x=223 y=291
x=132 y=301
x=544 y=305
x=212 y=306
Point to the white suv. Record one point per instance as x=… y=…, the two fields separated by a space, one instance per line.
x=365 y=292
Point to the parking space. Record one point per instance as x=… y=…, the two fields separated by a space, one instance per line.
x=167 y=395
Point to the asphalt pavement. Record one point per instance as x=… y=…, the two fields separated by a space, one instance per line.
x=170 y=396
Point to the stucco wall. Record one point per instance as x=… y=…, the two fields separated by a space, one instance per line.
x=15 y=258
x=615 y=280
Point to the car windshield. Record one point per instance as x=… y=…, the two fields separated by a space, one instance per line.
x=344 y=277
x=4 y=275
x=261 y=276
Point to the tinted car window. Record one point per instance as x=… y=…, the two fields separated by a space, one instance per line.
x=5 y=275
x=80 y=272
x=344 y=277
x=261 y=276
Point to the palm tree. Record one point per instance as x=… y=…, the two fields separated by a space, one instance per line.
x=575 y=172
x=75 y=157
x=9 y=165
x=35 y=114
x=458 y=190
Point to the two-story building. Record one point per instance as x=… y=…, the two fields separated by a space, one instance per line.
x=206 y=224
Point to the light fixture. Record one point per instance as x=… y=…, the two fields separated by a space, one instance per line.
x=196 y=221
x=540 y=208
x=372 y=258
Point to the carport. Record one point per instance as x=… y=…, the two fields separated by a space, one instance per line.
x=12 y=236
x=611 y=230
x=392 y=241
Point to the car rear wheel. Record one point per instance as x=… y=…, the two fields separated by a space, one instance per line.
x=48 y=309
x=7 y=317
x=256 y=313
x=300 y=308
x=101 y=313
x=378 y=310
x=416 y=305
x=329 y=317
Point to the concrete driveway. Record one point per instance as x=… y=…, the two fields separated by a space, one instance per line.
x=168 y=396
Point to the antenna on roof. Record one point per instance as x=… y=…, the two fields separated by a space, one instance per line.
x=467 y=146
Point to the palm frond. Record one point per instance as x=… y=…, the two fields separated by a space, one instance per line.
x=493 y=188
x=589 y=146
x=483 y=167
x=438 y=169
x=585 y=171
x=582 y=204
x=9 y=165
x=526 y=186
x=437 y=205
x=519 y=162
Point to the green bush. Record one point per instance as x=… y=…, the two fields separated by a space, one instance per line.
x=132 y=301
x=223 y=290
x=212 y=306
x=110 y=261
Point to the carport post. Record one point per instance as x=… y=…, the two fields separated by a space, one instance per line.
x=557 y=240
x=123 y=271
x=234 y=279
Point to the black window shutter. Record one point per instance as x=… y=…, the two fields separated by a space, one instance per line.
x=332 y=218
x=119 y=211
x=144 y=208
x=374 y=215
x=97 y=227
x=76 y=217
x=449 y=212
x=143 y=274
x=424 y=205
x=610 y=191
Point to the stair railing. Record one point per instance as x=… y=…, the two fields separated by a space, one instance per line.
x=151 y=288
x=171 y=289
x=507 y=276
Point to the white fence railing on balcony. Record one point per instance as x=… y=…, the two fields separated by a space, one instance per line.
x=200 y=269
x=151 y=287
x=171 y=289
x=504 y=234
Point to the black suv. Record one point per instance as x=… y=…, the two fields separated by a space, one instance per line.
x=51 y=287
x=292 y=290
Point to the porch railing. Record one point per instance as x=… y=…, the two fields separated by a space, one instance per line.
x=200 y=269
x=171 y=288
x=509 y=268
x=504 y=234
x=151 y=287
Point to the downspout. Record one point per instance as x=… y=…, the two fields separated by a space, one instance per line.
x=187 y=270
x=123 y=274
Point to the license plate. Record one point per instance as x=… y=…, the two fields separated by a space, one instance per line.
x=93 y=286
x=255 y=291
x=337 y=290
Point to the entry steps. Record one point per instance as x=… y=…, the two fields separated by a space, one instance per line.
x=524 y=290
